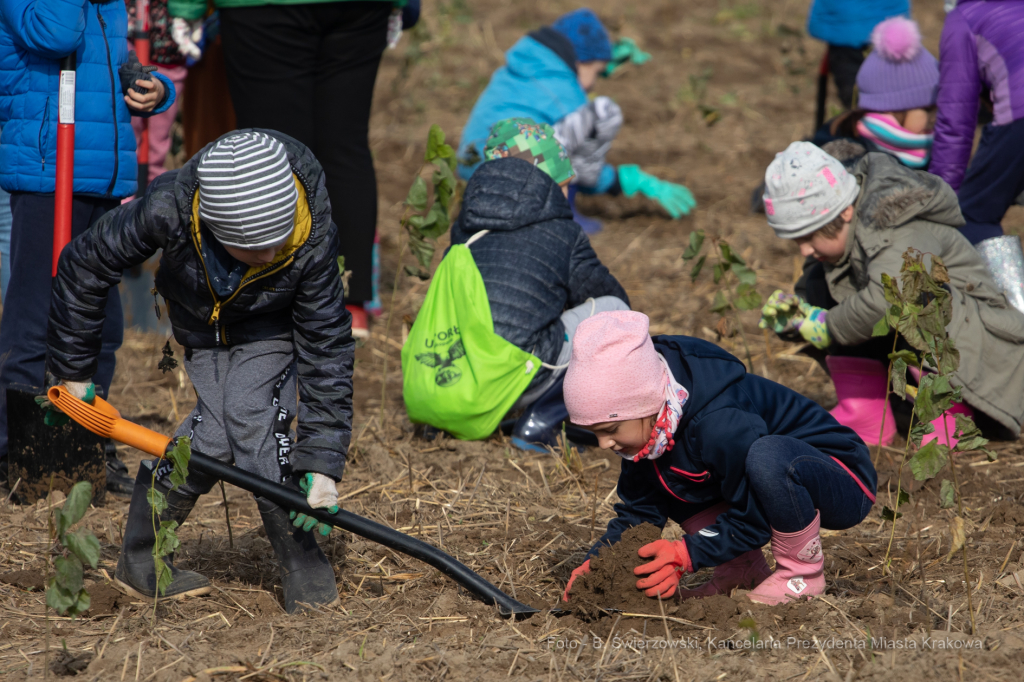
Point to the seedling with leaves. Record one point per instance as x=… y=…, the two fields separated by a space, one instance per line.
x=737 y=283
x=166 y=531
x=65 y=591
x=920 y=308
x=427 y=217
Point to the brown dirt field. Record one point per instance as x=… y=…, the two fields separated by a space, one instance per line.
x=522 y=519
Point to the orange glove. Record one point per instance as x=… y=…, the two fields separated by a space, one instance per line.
x=671 y=560
x=585 y=568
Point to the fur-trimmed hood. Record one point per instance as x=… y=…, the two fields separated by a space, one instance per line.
x=893 y=195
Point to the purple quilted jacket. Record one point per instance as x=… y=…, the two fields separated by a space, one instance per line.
x=982 y=44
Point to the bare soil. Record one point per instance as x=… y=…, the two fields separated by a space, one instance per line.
x=524 y=520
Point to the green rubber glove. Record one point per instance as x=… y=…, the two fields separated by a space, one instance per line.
x=321 y=493
x=83 y=390
x=625 y=50
x=676 y=199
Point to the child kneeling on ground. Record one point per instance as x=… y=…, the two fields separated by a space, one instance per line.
x=732 y=457
x=858 y=225
x=250 y=275
x=538 y=277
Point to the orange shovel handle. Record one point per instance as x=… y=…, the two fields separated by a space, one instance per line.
x=103 y=419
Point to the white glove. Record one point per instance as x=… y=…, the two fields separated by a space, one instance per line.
x=323 y=493
x=186 y=34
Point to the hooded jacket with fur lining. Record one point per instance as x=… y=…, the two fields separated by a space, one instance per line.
x=900 y=208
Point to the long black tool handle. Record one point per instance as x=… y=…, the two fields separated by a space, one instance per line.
x=371 y=530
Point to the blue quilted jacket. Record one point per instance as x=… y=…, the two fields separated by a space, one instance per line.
x=34 y=36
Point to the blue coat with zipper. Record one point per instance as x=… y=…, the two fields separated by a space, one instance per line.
x=534 y=83
x=34 y=36
x=727 y=411
x=849 y=24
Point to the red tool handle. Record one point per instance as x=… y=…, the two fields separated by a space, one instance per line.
x=65 y=176
x=141 y=38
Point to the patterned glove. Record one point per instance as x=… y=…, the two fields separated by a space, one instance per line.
x=671 y=561
x=321 y=493
x=585 y=568
x=676 y=199
x=788 y=312
x=83 y=390
x=781 y=313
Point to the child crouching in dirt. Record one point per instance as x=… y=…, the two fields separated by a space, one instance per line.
x=858 y=225
x=250 y=275
x=540 y=277
x=730 y=456
x=546 y=77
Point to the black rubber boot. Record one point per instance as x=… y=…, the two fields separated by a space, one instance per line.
x=540 y=425
x=306 y=574
x=135 y=571
x=119 y=483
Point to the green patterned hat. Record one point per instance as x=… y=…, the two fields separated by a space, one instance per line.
x=535 y=142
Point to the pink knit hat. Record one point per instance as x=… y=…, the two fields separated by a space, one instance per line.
x=614 y=374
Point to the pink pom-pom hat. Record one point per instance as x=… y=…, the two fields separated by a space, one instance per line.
x=615 y=373
x=899 y=74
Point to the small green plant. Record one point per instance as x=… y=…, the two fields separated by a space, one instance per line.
x=920 y=308
x=65 y=591
x=737 y=283
x=695 y=93
x=166 y=531
x=425 y=221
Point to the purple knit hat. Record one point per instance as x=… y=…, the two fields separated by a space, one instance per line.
x=899 y=74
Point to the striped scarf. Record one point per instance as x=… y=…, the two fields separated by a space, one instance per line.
x=912 y=149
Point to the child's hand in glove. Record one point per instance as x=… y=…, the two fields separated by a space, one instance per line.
x=83 y=390
x=676 y=199
x=671 y=560
x=585 y=568
x=321 y=493
x=188 y=35
x=788 y=312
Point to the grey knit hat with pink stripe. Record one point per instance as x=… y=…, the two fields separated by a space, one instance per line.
x=805 y=189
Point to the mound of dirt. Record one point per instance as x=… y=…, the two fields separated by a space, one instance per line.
x=611 y=583
x=26 y=579
x=106 y=600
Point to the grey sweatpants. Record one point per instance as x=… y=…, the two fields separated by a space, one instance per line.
x=571 y=319
x=245 y=401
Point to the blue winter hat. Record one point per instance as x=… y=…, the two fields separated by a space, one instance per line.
x=587 y=34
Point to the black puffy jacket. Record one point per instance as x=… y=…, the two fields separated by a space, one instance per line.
x=536 y=262
x=297 y=297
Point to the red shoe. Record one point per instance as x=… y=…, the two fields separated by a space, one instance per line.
x=360 y=322
x=745 y=571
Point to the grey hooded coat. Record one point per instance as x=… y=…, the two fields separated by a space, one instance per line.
x=899 y=208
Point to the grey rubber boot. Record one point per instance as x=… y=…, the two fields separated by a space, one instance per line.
x=135 y=571
x=306 y=575
x=1005 y=262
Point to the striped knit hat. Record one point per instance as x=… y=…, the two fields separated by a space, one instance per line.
x=246 y=192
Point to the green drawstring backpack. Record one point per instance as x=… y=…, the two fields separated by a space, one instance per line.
x=457 y=374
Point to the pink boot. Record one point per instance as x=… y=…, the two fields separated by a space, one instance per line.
x=746 y=570
x=799 y=570
x=860 y=386
x=947 y=424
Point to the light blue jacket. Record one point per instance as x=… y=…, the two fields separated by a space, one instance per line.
x=849 y=23
x=34 y=36
x=534 y=83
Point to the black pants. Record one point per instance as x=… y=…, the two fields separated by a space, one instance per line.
x=27 y=304
x=843 y=64
x=994 y=180
x=308 y=71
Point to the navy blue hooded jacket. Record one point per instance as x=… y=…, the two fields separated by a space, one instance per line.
x=535 y=262
x=727 y=411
